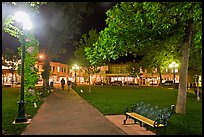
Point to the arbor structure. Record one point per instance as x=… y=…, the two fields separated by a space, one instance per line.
x=140 y=27
x=20 y=33
x=31 y=58
x=31 y=44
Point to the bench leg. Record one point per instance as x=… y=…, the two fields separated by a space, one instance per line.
x=135 y=121
x=161 y=132
x=140 y=124
x=124 y=122
x=146 y=127
x=155 y=130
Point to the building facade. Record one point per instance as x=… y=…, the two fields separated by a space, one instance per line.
x=57 y=71
x=9 y=74
x=106 y=74
x=119 y=72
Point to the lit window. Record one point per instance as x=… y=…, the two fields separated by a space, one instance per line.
x=58 y=69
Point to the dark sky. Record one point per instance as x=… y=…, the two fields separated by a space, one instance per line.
x=95 y=20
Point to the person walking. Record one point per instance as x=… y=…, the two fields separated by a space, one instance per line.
x=69 y=84
x=62 y=83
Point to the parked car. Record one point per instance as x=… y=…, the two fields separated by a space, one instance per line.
x=116 y=83
x=170 y=84
x=131 y=83
x=99 y=83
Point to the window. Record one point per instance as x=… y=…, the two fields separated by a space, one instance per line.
x=118 y=70
x=113 y=69
x=58 y=69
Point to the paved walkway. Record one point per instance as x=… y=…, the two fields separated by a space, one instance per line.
x=66 y=113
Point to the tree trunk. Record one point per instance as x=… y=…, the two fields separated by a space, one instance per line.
x=152 y=79
x=47 y=78
x=46 y=75
x=89 y=82
x=160 y=76
x=12 y=80
x=198 y=92
x=182 y=91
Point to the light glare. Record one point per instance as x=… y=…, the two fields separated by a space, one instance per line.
x=75 y=66
x=27 y=25
x=22 y=17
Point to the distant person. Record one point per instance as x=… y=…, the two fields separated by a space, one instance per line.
x=69 y=84
x=62 y=83
x=51 y=83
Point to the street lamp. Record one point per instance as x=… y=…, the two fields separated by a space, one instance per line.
x=173 y=65
x=26 y=25
x=41 y=56
x=75 y=67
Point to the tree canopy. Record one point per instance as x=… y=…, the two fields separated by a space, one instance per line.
x=143 y=28
x=134 y=27
x=85 y=41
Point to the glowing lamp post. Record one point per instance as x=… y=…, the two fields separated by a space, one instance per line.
x=23 y=18
x=75 y=67
x=173 y=65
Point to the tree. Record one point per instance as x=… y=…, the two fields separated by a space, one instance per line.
x=159 y=59
x=62 y=25
x=86 y=41
x=134 y=68
x=135 y=26
x=195 y=65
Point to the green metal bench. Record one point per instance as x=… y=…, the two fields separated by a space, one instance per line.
x=147 y=115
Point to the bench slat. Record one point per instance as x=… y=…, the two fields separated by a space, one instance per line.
x=143 y=119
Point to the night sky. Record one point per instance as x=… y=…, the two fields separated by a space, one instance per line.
x=96 y=21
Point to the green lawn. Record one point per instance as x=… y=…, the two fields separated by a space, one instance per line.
x=10 y=110
x=112 y=100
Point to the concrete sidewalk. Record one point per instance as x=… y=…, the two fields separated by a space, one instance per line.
x=66 y=113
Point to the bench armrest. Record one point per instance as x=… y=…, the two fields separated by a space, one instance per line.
x=126 y=110
x=160 y=121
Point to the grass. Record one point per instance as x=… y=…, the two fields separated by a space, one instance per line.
x=112 y=100
x=10 y=110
